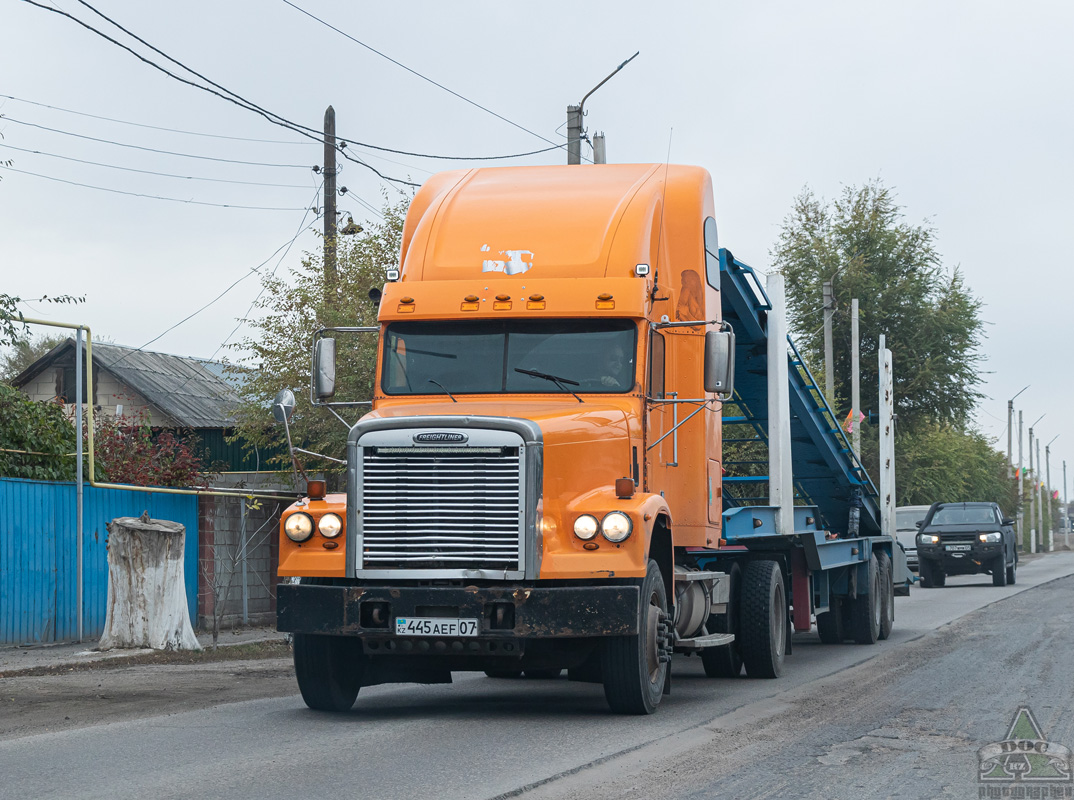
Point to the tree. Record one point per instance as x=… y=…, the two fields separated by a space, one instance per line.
x=127 y=450
x=931 y=320
x=296 y=306
x=24 y=352
x=37 y=441
x=12 y=321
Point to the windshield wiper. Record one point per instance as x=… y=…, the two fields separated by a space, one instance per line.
x=557 y=381
x=449 y=394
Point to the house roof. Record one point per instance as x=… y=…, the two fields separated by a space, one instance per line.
x=196 y=393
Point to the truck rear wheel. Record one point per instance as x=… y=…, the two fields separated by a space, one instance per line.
x=635 y=667
x=763 y=619
x=887 y=595
x=329 y=670
x=725 y=661
x=866 y=610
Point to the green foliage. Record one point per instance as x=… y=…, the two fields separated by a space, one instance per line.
x=294 y=307
x=43 y=430
x=931 y=320
x=127 y=451
x=24 y=352
x=12 y=324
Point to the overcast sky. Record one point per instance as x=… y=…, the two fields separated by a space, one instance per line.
x=964 y=108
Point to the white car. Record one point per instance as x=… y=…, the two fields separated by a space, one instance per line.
x=906 y=519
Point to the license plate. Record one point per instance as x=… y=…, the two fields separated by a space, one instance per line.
x=958 y=548
x=435 y=626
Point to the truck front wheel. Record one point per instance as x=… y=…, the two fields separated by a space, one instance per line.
x=329 y=670
x=635 y=667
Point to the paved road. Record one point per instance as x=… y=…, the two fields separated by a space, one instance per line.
x=902 y=718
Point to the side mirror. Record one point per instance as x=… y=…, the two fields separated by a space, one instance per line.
x=919 y=523
x=720 y=362
x=283 y=406
x=374 y=296
x=324 y=369
x=1008 y=521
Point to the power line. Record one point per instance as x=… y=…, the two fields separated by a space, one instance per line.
x=149 y=196
x=416 y=73
x=152 y=127
x=154 y=150
x=150 y=172
x=235 y=99
x=251 y=271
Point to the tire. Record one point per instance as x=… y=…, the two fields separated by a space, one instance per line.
x=1012 y=572
x=543 y=674
x=503 y=673
x=830 y=622
x=725 y=661
x=939 y=577
x=887 y=595
x=763 y=619
x=866 y=610
x=636 y=667
x=999 y=571
x=329 y=670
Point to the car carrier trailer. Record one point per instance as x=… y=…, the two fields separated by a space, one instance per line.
x=563 y=354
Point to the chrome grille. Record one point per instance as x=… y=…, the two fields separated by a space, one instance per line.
x=441 y=508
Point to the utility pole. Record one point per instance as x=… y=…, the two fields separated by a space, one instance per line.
x=600 y=152
x=574 y=134
x=1021 y=494
x=329 y=172
x=1040 y=504
x=1032 y=499
x=1010 y=427
x=1066 y=509
x=1048 y=478
x=855 y=378
x=829 y=357
x=575 y=115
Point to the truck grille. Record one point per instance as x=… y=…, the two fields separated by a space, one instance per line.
x=441 y=508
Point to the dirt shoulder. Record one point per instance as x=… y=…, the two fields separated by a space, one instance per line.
x=68 y=696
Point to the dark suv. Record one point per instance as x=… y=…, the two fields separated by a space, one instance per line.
x=966 y=539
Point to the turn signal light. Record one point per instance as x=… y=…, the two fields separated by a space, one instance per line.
x=316 y=490
x=406 y=305
x=604 y=300
x=624 y=488
x=470 y=303
x=503 y=303
x=536 y=302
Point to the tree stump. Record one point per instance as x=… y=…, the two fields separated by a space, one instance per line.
x=146 y=588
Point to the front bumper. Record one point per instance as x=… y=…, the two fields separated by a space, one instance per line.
x=977 y=558
x=508 y=614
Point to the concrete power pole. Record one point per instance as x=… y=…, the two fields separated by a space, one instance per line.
x=1021 y=478
x=829 y=357
x=1066 y=510
x=1032 y=499
x=1037 y=483
x=855 y=377
x=329 y=171
x=1048 y=489
x=574 y=134
x=600 y=151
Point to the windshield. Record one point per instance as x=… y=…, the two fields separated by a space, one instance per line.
x=483 y=357
x=907 y=519
x=957 y=515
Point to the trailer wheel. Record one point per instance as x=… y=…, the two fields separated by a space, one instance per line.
x=763 y=619
x=635 y=667
x=887 y=594
x=830 y=623
x=329 y=670
x=725 y=661
x=866 y=610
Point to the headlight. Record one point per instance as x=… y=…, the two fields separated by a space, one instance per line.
x=991 y=538
x=329 y=526
x=298 y=527
x=928 y=538
x=616 y=526
x=585 y=527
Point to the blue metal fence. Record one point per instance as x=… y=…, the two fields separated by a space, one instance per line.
x=38 y=581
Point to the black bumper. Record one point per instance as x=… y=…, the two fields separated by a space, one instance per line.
x=978 y=558
x=505 y=613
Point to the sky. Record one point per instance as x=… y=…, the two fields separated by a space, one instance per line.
x=963 y=108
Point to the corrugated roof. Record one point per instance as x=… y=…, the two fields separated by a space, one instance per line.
x=194 y=392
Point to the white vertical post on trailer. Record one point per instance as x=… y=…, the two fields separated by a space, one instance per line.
x=887 y=443
x=78 y=476
x=780 y=479
x=855 y=378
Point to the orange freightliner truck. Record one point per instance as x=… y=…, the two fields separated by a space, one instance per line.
x=540 y=482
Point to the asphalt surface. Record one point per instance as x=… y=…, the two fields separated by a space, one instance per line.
x=903 y=718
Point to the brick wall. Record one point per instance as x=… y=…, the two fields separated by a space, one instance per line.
x=221 y=559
